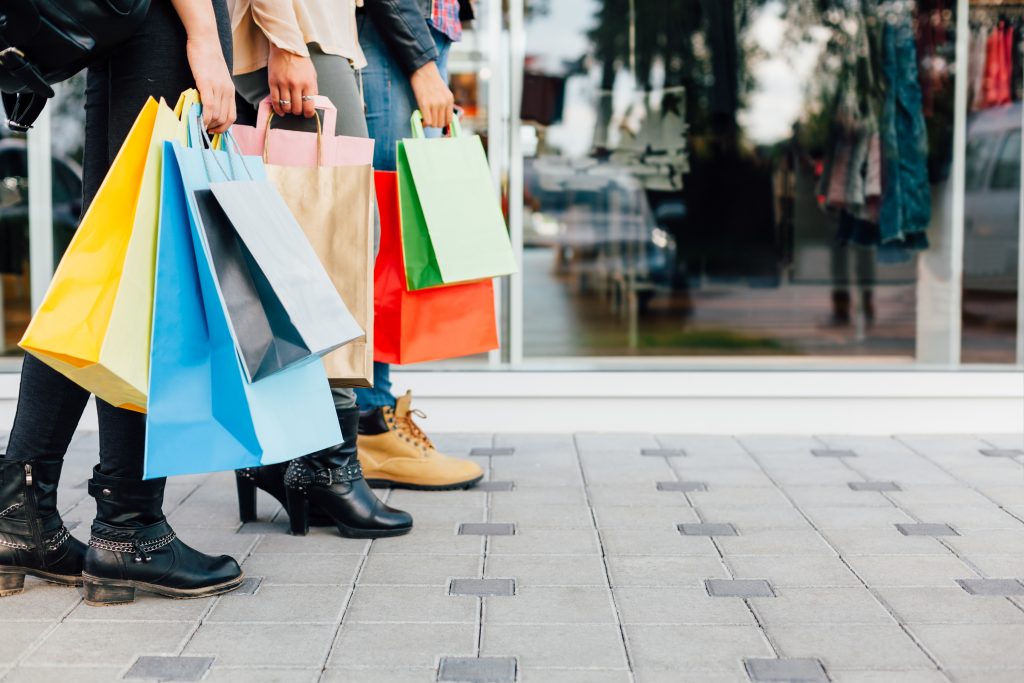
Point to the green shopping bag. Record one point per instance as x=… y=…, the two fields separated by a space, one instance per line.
x=452 y=227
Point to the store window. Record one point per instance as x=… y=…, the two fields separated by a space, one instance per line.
x=992 y=222
x=734 y=177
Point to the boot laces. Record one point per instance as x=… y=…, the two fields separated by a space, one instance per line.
x=407 y=425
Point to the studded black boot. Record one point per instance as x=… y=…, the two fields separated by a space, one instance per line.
x=33 y=539
x=269 y=478
x=134 y=548
x=332 y=481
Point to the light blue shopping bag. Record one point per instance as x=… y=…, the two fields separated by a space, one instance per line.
x=203 y=414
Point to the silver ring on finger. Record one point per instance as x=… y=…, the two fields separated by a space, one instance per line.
x=308 y=98
x=284 y=103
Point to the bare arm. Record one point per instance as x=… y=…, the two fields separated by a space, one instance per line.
x=206 y=59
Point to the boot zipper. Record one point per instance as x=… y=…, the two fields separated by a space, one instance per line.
x=33 y=514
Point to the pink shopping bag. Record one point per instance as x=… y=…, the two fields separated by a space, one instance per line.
x=299 y=148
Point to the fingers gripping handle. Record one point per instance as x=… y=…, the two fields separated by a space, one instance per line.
x=416 y=123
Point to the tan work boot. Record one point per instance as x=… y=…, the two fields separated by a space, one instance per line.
x=394 y=452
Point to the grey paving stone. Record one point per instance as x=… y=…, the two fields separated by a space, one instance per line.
x=430 y=541
x=555 y=516
x=906 y=676
x=662 y=542
x=981 y=541
x=975 y=646
x=708 y=529
x=544 y=646
x=146 y=608
x=682 y=486
x=478 y=669
x=489 y=529
x=27 y=673
x=548 y=570
x=365 y=644
x=859 y=517
x=482 y=587
x=1004 y=587
x=754 y=517
x=833 y=453
x=490 y=452
x=15 y=638
x=882 y=541
x=694 y=649
x=263 y=528
x=38 y=602
x=283 y=604
x=664 y=571
x=641 y=518
x=546 y=542
x=377 y=675
x=791 y=571
x=262 y=644
x=908 y=570
x=110 y=643
x=851 y=646
x=788 y=670
x=875 y=486
x=952 y=605
x=223 y=674
x=663 y=452
x=302 y=568
x=926 y=529
x=690 y=605
x=847 y=605
x=409 y=604
x=739 y=588
x=552 y=605
x=492 y=486
x=169 y=668
x=1002 y=452
x=776 y=542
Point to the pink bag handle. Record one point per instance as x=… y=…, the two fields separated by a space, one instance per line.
x=326 y=126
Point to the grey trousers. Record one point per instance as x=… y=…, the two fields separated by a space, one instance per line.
x=337 y=80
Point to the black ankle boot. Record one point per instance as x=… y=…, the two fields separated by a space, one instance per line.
x=33 y=539
x=134 y=548
x=269 y=478
x=332 y=481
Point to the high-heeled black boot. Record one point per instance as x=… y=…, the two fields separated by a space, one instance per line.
x=332 y=481
x=134 y=548
x=33 y=539
x=269 y=478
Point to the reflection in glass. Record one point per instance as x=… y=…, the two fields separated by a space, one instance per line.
x=731 y=177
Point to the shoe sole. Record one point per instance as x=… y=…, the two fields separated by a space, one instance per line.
x=175 y=593
x=70 y=580
x=378 y=483
x=362 y=534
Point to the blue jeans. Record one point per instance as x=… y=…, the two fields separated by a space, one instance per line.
x=389 y=105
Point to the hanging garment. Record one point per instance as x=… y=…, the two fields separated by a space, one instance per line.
x=976 y=64
x=996 y=86
x=906 y=195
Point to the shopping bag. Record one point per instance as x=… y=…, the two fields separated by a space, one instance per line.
x=93 y=325
x=452 y=226
x=203 y=413
x=301 y=307
x=327 y=182
x=429 y=324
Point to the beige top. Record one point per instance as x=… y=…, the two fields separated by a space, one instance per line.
x=291 y=25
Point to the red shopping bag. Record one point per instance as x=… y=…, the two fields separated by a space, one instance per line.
x=429 y=324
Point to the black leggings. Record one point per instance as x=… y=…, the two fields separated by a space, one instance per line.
x=151 y=63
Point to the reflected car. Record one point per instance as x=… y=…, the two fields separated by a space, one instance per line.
x=67 y=205
x=992 y=200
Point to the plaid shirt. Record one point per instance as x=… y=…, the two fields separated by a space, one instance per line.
x=444 y=16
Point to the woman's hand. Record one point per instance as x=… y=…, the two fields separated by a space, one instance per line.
x=213 y=80
x=291 y=77
x=433 y=97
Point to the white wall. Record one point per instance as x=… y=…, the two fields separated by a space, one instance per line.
x=855 y=402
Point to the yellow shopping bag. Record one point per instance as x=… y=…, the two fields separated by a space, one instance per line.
x=93 y=325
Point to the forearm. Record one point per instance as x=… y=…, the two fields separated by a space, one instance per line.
x=198 y=18
x=404 y=29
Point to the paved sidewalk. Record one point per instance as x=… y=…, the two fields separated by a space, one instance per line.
x=602 y=559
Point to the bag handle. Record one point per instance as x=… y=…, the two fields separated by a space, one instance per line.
x=320 y=102
x=199 y=138
x=319 y=139
x=416 y=123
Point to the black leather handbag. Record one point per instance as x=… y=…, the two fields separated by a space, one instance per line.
x=43 y=42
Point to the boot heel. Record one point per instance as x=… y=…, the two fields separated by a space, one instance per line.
x=11 y=583
x=98 y=593
x=298 y=511
x=246 y=499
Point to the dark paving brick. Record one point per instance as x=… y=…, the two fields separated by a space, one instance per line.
x=263 y=528
x=926 y=530
x=169 y=668
x=250 y=585
x=494 y=486
x=875 y=486
x=833 y=453
x=664 y=452
x=483 y=587
x=1003 y=587
x=788 y=670
x=683 y=486
x=707 y=529
x=492 y=451
x=1002 y=452
x=480 y=529
x=478 y=670
x=739 y=588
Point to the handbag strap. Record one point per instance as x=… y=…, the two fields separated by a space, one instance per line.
x=416 y=123
x=319 y=139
